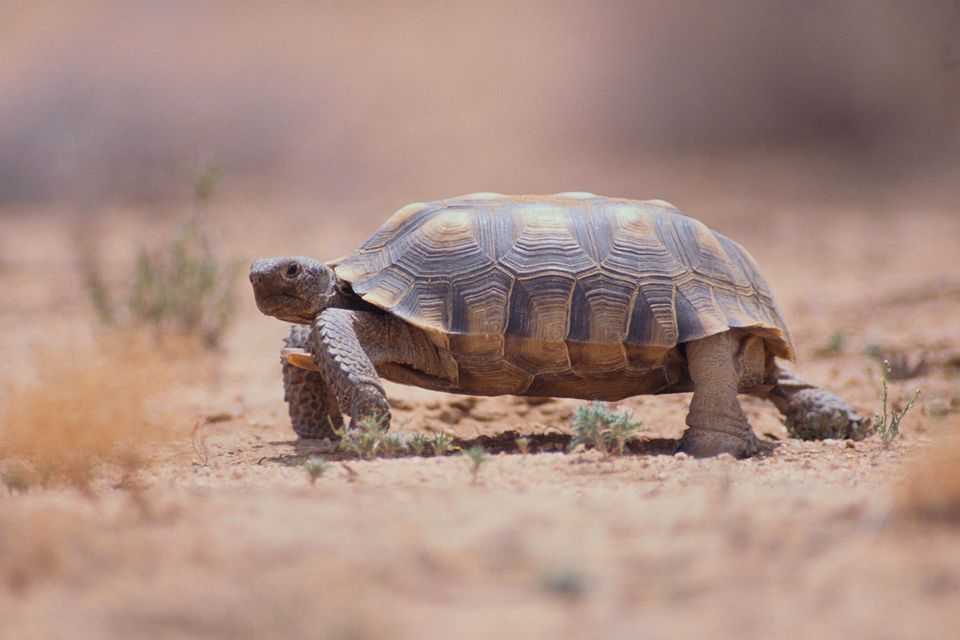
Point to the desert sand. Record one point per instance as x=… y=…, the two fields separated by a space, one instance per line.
x=223 y=535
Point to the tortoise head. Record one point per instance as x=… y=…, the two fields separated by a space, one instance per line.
x=293 y=289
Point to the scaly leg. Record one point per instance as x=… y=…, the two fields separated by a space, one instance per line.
x=812 y=413
x=343 y=341
x=716 y=423
x=313 y=407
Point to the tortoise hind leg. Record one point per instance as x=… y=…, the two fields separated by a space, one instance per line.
x=312 y=405
x=716 y=423
x=812 y=413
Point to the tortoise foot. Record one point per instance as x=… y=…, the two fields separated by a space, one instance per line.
x=369 y=404
x=817 y=414
x=702 y=443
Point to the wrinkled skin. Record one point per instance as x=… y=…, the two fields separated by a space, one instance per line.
x=293 y=289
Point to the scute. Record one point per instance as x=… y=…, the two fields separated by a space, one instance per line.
x=540 y=307
x=638 y=249
x=481 y=302
x=600 y=309
x=653 y=320
x=571 y=281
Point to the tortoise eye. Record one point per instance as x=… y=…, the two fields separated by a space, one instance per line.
x=293 y=270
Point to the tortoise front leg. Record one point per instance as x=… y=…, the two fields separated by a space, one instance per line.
x=342 y=342
x=716 y=423
x=312 y=404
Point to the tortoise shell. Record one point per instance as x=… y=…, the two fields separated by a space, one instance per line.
x=540 y=295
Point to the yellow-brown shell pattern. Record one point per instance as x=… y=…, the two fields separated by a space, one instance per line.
x=554 y=283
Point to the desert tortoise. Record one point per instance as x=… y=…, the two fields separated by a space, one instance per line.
x=571 y=295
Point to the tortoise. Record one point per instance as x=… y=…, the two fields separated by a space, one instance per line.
x=569 y=295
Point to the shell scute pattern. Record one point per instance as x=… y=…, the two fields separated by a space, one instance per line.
x=408 y=216
x=533 y=286
x=495 y=230
x=429 y=301
x=706 y=256
x=496 y=376
x=386 y=288
x=480 y=302
x=540 y=307
x=638 y=249
x=545 y=243
x=697 y=309
x=600 y=309
x=653 y=321
x=595 y=358
x=446 y=239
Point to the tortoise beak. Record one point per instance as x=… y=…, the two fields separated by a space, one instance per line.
x=268 y=295
x=260 y=272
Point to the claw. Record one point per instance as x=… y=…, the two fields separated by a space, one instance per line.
x=369 y=403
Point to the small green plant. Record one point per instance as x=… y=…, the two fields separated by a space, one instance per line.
x=873 y=350
x=887 y=423
x=418 y=444
x=623 y=430
x=597 y=427
x=565 y=583
x=477 y=457
x=365 y=440
x=523 y=445
x=315 y=467
x=393 y=445
x=836 y=343
x=206 y=180
x=441 y=444
x=100 y=295
x=182 y=286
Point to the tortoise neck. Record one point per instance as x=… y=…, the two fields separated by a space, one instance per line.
x=346 y=298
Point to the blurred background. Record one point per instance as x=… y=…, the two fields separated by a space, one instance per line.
x=118 y=102
x=150 y=149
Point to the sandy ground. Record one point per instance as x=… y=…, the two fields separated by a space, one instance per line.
x=233 y=542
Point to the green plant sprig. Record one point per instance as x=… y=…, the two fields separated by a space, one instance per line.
x=887 y=423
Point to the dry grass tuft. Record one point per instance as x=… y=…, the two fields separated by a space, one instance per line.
x=84 y=407
x=932 y=490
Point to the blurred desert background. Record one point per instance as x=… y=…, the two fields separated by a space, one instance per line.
x=152 y=485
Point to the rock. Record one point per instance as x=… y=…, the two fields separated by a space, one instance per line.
x=450 y=416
